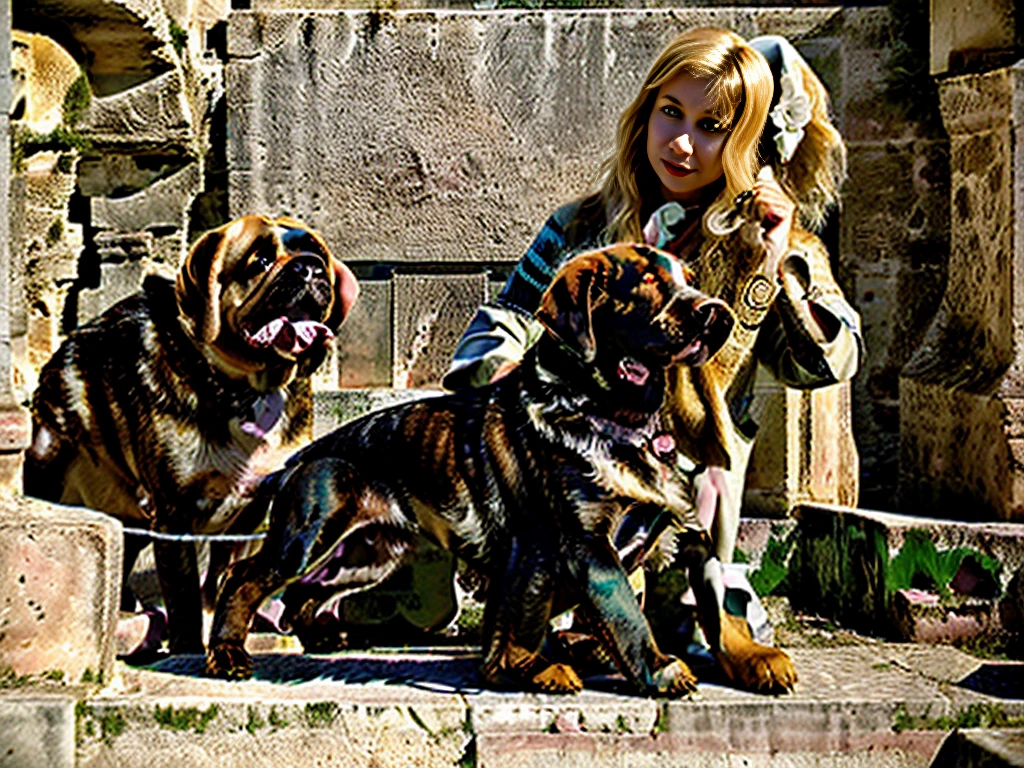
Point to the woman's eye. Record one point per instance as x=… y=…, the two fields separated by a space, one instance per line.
x=671 y=111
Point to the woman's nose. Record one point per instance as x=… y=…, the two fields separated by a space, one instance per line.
x=682 y=144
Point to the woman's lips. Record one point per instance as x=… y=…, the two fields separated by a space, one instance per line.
x=677 y=170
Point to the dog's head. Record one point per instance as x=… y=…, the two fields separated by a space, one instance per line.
x=627 y=312
x=262 y=298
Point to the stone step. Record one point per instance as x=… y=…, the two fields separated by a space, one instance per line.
x=980 y=748
x=906 y=577
x=871 y=705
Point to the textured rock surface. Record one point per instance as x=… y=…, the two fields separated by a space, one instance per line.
x=962 y=393
x=60 y=580
x=908 y=577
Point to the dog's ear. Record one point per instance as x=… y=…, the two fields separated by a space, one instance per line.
x=566 y=307
x=197 y=289
x=346 y=289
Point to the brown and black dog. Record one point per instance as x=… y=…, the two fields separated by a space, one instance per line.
x=525 y=479
x=168 y=409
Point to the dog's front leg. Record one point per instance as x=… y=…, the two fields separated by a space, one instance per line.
x=754 y=666
x=179 y=581
x=611 y=612
x=517 y=612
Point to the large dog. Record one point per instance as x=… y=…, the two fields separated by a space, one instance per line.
x=525 y=479
x=168 y=409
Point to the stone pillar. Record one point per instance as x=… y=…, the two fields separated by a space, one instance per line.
x=962 y=393
x=805 y=451
x=15 y=425
x=969 y=34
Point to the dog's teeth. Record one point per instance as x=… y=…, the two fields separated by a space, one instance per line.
x=288 y=336
x=306 y=334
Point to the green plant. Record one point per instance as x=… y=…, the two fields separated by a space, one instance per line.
x=77 y=100
x=179 y=36
x=112 y=725
x=321 y=714
x=186 y=719
x=774 y=565
x=979 y=715
x=921 y=565
x=253 y=721
x=275 y=720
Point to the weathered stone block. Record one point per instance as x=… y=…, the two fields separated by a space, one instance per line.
x=957 y=454
x=37 y=730
x=367 y=727
x=60 y=579
x=364 y=340
x=470 y=131
x=431 y=312
x=332 y=409
x=988 y=747
x=804 y=451
x=967 y=33
x=162 y=205
x=869 y=570
x=152 y=114
x=117 y=281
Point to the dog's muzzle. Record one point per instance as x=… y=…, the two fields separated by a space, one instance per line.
x=696 y=325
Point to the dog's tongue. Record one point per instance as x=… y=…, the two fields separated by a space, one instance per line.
x=290 y=336
x=632 y=371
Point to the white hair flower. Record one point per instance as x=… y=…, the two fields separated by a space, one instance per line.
x=791 y=114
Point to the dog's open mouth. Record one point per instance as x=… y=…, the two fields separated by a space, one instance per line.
x=290 y=337
x=633 y=371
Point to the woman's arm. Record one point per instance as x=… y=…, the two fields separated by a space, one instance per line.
x=503 y=329
x=812 y=337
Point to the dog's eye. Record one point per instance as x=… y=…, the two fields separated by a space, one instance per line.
x=260 y=263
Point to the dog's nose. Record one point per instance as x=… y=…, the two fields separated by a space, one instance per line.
x=715 y=320
x=307 y=268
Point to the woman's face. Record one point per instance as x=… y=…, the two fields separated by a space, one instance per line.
x=685 y=139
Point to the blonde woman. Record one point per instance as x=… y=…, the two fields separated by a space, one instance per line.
x=689 y=168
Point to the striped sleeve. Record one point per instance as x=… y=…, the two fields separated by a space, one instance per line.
x=503 y=329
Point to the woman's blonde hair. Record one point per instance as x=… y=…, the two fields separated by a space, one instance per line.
x=741 y=91
x=818 y=167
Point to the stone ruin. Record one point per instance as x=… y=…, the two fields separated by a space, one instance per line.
x=428 y=145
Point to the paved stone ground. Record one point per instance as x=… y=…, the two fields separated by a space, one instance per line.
x=859 y=703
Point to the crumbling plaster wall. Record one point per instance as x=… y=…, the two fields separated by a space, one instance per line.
x=106 y=198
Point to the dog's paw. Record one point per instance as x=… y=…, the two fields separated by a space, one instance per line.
x=228 y=661
x=674 y=679
x=558 y=678
x=760 y=668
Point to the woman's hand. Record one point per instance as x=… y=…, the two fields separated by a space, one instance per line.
x=774 y=209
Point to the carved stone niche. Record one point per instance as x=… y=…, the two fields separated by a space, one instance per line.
x=962 y=393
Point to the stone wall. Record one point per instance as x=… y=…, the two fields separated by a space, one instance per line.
x=962 y=394
x=428 y=143
x=430 y=146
